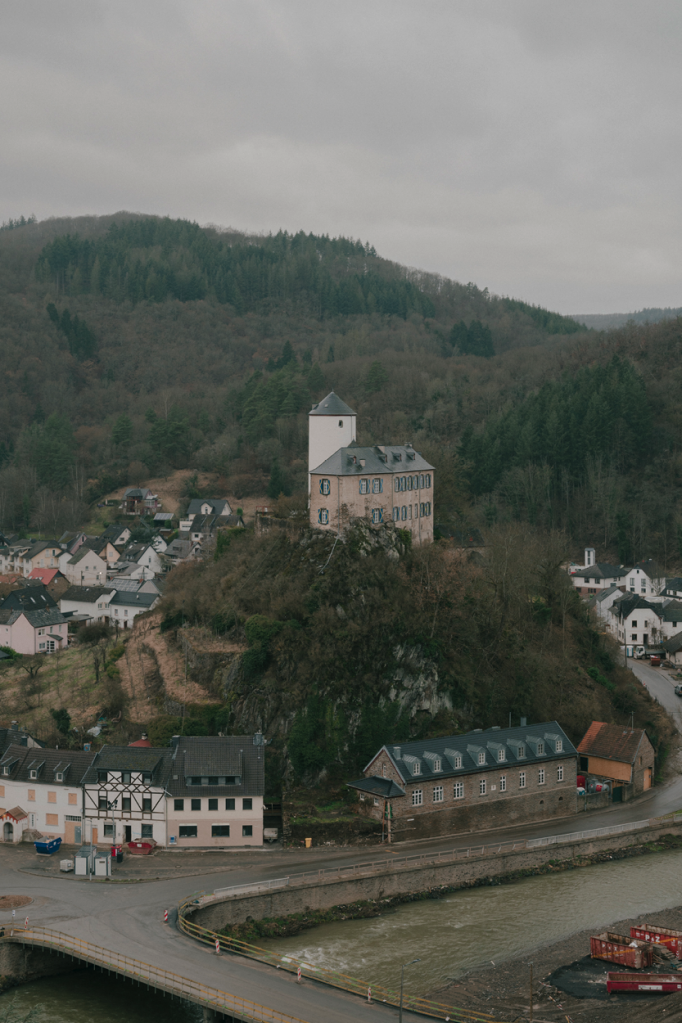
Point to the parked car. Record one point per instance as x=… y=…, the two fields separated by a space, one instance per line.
x=678 y=690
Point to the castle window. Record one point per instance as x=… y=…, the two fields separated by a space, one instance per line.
x=323 y=516
x=428 y=508
x=415 y=483
x=396 y=514
x=403 y=512
x=428 y=480
x=377 y=515
x=403 y=482
x=396 y=482
x=421 y=482
x=364 y=486
x=409 y=483
x=377 y=486
x=324 y=487
x=422 y=510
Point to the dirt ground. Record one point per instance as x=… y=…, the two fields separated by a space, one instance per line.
x=171 y=489
x=505 y=988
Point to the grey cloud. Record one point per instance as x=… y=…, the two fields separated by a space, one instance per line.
x=531 y=147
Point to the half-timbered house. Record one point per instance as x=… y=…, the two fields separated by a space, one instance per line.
x=124 y=795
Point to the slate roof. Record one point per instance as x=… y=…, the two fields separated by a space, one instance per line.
x=131 y=758
x=82 y=552
x=673 y=644
x=33 y=598
x=122 y=598
x=631 y=602
x=219 y=505
x=468 y=747
x=384 y=788
x=650 y=568
x=221 y=757
x=331 y=406
x=672 y=611
x=72 y=763
x=382 y=458
x=40 y=619
x=133 y=551
x=86 y=594
x=113 y=533
x=611 y=742
x=16 y=736
x=602 y=570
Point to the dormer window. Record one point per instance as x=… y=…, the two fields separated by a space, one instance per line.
x=501 y=756
x=521 y=752
x=559 y=745
x=481 y=757
x=541 y=748
x=33 y=774
x=416 y=768
x=6 y=769
x=436 y=765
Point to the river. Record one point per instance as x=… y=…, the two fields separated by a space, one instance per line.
x=478 y=925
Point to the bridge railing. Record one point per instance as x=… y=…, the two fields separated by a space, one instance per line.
x=164 y=980
x=332 y=978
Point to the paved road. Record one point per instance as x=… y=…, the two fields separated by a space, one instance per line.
x=660 y=685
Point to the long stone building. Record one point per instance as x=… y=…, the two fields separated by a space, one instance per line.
x=472 y=782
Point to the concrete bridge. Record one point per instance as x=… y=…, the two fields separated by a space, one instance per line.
x=120 y=927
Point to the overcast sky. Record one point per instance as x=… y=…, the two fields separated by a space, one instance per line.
x=531 y=146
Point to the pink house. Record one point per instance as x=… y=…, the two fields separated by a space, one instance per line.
x=33 y=632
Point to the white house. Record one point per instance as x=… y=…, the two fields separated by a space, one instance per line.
x=334 y=427
x=87 y=603
x=603 y=601
x=84 y=568
x=144 y=555
x=43 y=789
x=646 y=579
x=593 y=576
x=637 y=621
x=33 y=632
x=124 y=607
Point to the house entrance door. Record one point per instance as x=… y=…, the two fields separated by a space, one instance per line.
x=77 y=834
x=8 y=832
x=129 y=833
x=50 y=646
x=645 y=638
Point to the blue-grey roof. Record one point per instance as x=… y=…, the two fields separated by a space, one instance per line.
x=384 y=788
x=219 y=758
x=131 y=758
x=331 y=406
x=382 y=458
x=122 y=597
x=426 y=752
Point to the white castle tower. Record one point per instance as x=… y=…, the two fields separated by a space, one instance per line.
x=331 y=425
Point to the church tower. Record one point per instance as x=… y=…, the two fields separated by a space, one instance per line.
x=331 y=425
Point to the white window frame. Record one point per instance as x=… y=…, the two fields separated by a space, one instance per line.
x=458 y=790
x=541 y=776
x=503 y=783
x=438 y=794
x=560 y=772
x=437 y=766
x=323 y=516
x=364 y=486
x=481 y=757
x=560 y=745
x=325 y=487
x=482 y=787
x=417 y=797
x=522 y=780
x=501 y=756
x=416 y=768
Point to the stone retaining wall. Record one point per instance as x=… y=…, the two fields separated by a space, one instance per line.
x=225 y=911
x=20 y=964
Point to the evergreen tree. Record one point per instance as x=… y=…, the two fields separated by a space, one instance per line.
x=279 y=482
x=122 y=432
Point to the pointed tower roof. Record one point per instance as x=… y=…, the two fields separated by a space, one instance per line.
x=331 y=406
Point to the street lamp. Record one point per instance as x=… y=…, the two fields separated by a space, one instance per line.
x=402 y=975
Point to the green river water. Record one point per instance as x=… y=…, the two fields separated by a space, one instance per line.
x=449 y=935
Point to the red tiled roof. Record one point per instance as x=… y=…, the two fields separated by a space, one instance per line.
x=611 y=742
x=140 y=742
x=45 y=574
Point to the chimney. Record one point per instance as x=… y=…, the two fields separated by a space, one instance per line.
x=523 y=722
x=396 y=752
x=258 y=739
x=15 y=726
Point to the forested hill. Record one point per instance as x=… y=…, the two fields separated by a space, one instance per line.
x=133 y=345
x=607 y=321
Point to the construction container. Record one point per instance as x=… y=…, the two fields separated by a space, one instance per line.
x=47 y=846
x=659 y=936
x=660 y=983
x=102 y=865
x=66 y=865
x=616 y=948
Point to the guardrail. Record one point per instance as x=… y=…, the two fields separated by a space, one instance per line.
x=164 y=980
x=332 y=978
x=430 y=859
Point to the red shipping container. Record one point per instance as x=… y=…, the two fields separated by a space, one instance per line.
x=661 y=983
x=616 y=948
x=659 y=936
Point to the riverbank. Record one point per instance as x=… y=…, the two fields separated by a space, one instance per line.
x=255 y=931
x=505 y=988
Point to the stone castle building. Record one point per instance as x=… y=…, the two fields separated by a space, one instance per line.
x=383 y=483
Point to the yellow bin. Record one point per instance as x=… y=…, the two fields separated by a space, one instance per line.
x=308 y=843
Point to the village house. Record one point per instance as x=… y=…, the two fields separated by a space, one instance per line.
x=383 y=483
x=636 y=621
x=27 y=555
x=33 y=632
x=124 y=607
x=45 y=786
x=472 y=782
x=624 y=756
x=87 y=604
x=145 y=557
x=645 y=579
x=105 y=548
x=139 y=501
x=593 y=577
x=124 y=795
x=116 y=534
x=84 y=568
x=602 y=603
x=673 y=648
x=216 y=790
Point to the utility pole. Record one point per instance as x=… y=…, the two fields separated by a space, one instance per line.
x=531 y=993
